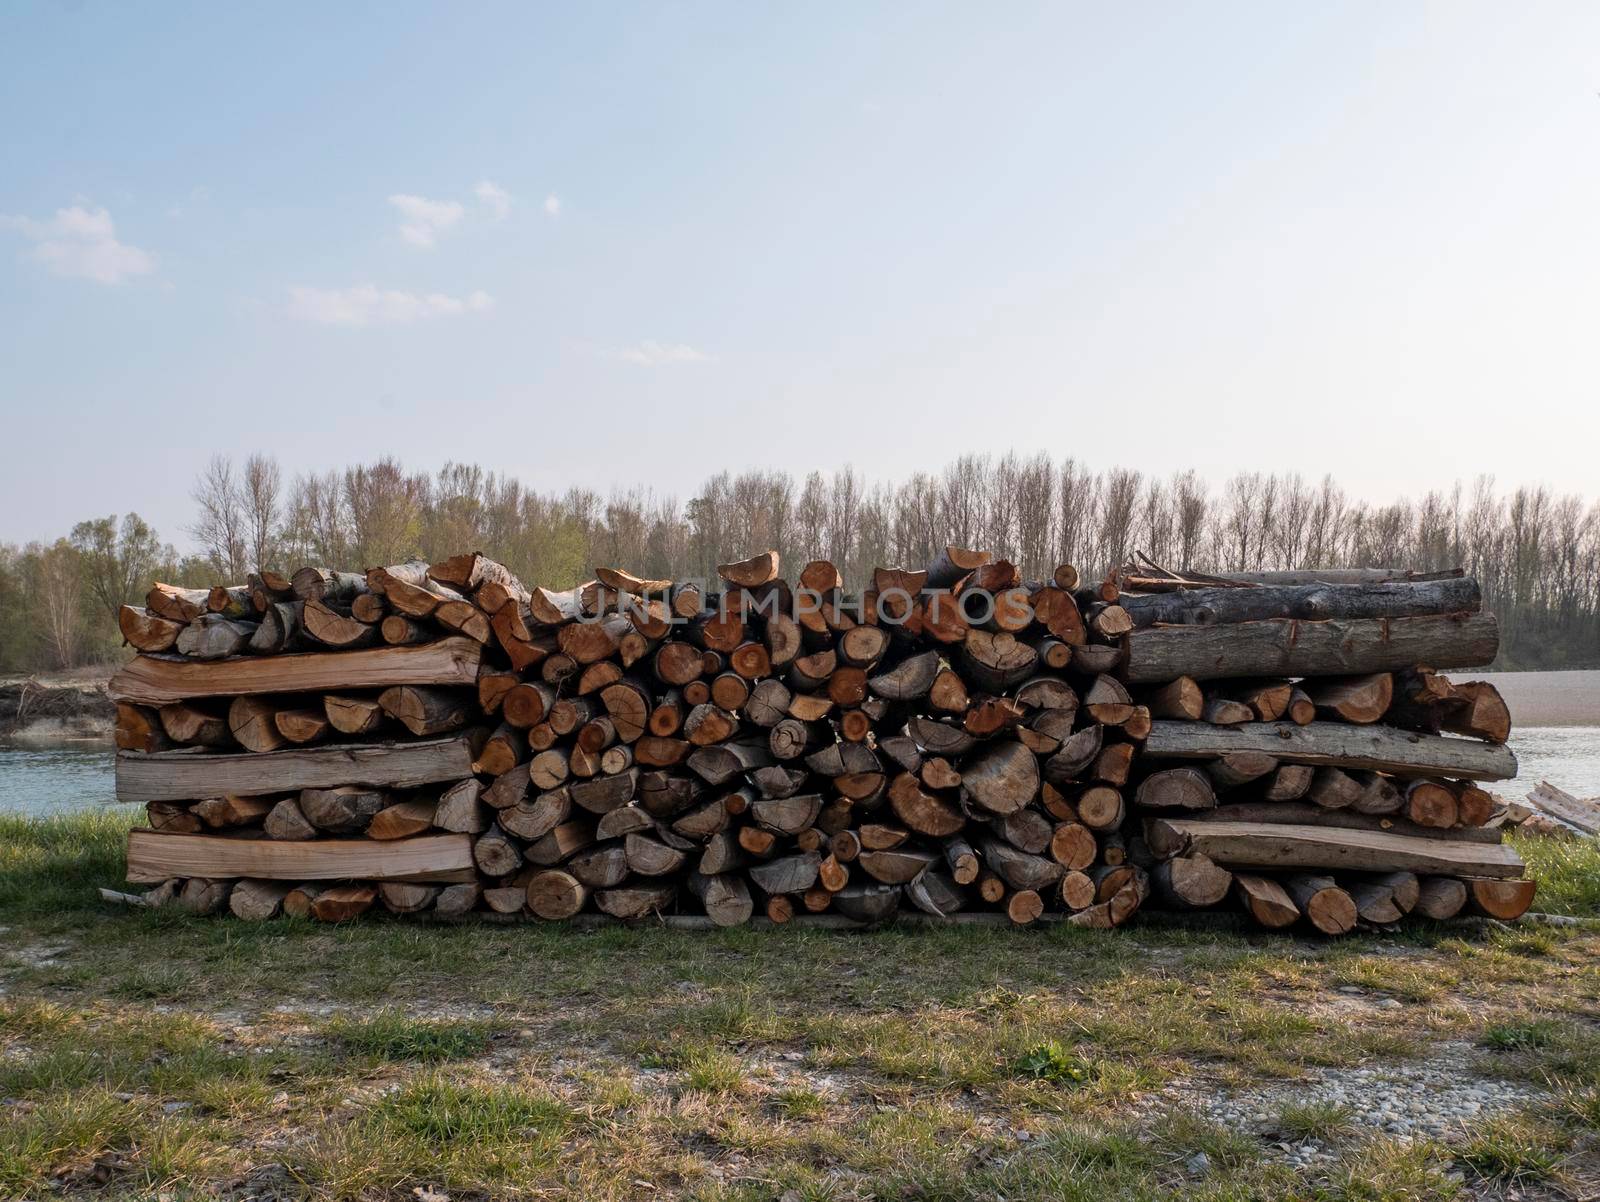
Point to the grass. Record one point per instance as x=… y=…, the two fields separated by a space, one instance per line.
x=146 y=1053
x=390 y=1035
x=1314 y=1120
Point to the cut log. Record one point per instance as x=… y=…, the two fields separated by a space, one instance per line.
x=1429 y=803
x=343 y=810
x=286 y=821
x=333 y=629
x=1333 y=789
x=997 y=663
x=1176 y=789
x=180 y=775
x=341 y=903
x=353 y=715
x=401 y=820
x=1288 y=647
x=635 y=902
x=220 y=813
x=894 y=866
x=213 y=637
x=1003 y=778
x=1358 y=699
x=153 y=858
x=1180 y=698
x=253 y=723
x=160 y=680
x=1502 y=899
x=1338 y=745
x=1309 y=602
x=170 y=818
x=146 y=631
x=404 y=898
x=750 y=573
x=1019 y=869
x=195 y=726
x=1265 y=900
x=1326 y=907
x=256 y=901
x=725 y=897
x=1219 y=711
x=1240 y=768
x=953 y=565
x=461 y=808
x=1191 y=882
x=1246 y=845
x=1441 y=897
x=867 y=903
x=139 y=728
x=788 y=874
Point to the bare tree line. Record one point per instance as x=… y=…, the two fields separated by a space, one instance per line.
x=1537 y=554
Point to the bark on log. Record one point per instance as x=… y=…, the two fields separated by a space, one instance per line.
x=1288 y=647
x=1307 y=602
x=1249 y=845
x=1380 y=748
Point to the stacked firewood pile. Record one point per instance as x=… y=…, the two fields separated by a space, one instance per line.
x=954 y=741
x=1303 y=763
x=443 y=738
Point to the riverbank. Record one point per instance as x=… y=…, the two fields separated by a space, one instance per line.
x=144 y=1052
x=57 y=709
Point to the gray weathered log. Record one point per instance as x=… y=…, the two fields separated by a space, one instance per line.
x=1263 y=845
x=1308 y=602
x=1381 y=748
x=1288 y=647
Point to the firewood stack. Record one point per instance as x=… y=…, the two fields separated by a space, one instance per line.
x=1305 y=761
x=441 y=738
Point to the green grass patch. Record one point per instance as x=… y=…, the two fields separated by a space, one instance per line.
x=1517 y=1035
x=1516 y=1149
x=1314 y=1120
x=392 y=1036
x=1568 y=872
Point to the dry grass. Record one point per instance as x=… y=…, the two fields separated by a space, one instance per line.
x=148 y=1053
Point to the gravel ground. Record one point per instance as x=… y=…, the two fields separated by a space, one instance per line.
x=1433 y=1098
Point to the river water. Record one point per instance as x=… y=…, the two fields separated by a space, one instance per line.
x=1555 y=715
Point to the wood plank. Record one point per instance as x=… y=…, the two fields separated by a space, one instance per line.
x=163 y=679
x=1290 y=647
x=157 y=857
x=1263 y=845
x=1383 y=748
x=190 y=773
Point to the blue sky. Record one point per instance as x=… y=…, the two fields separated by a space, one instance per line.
x=619 y=244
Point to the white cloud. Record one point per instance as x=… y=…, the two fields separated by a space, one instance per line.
x=552 y=205
x=651 y=353
x=494 y=198
x=368 y=305
x=423 y=220
x=81 y=243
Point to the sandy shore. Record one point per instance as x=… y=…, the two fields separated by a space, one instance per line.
x=1546 y=698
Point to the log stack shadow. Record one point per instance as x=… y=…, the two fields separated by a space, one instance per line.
x=953 y=740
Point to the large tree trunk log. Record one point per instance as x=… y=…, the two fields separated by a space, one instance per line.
x=1288 y=647
x=1337 y=745
x=1308 y=602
